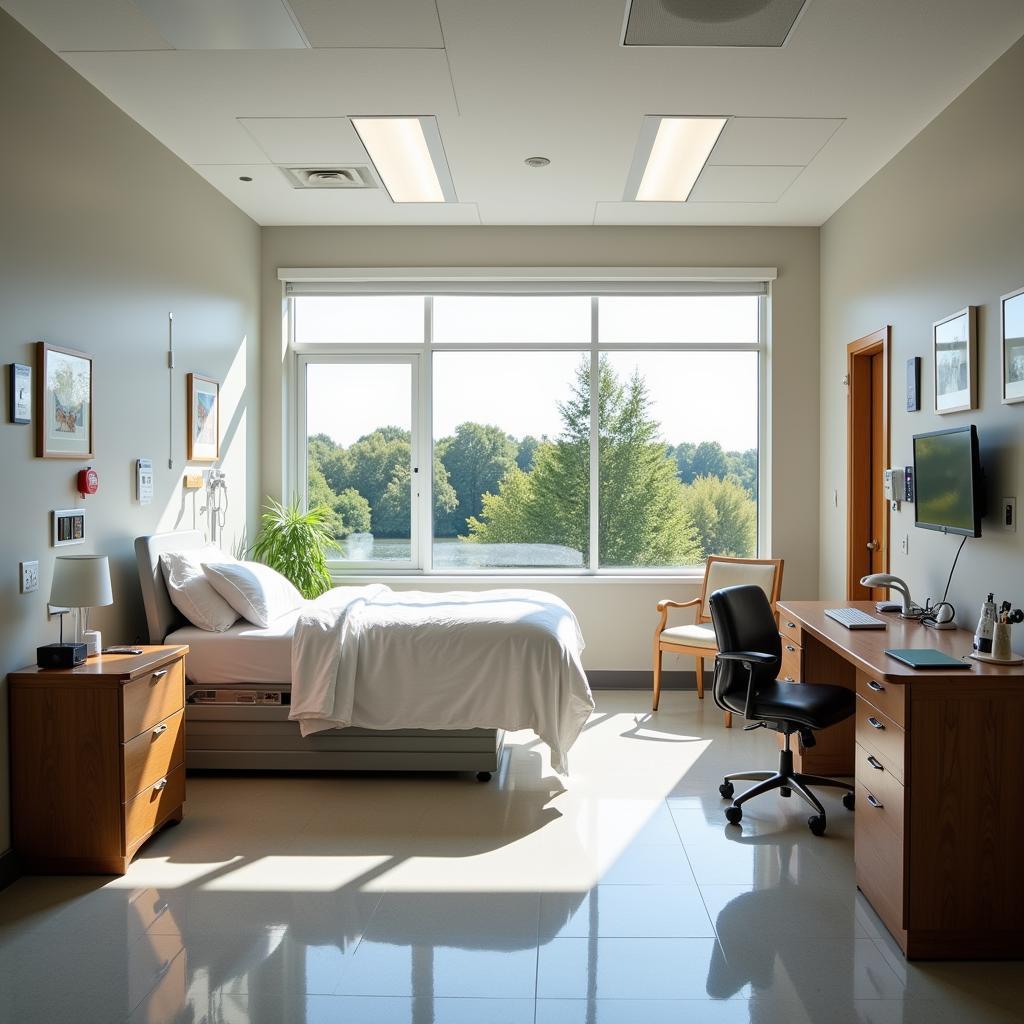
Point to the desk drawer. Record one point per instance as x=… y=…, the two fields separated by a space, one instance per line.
x=152 y=698
x=153 y=753
x=789 y=630
x=880 y=784
x=881 y=736
x=889 y=698
x=878 y=853
x=792 y=661
x=153 y=806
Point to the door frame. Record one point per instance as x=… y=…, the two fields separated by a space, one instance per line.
x=858 y=463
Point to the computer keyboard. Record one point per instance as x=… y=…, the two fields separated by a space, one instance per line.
x=854 y=618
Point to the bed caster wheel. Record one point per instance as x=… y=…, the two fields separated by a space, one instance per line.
x=849 y=801
x=733 y=815
x=816 y=823
x=726 y=789
x=483 y=776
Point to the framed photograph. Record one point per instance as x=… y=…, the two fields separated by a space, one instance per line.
x=1013 y=346
x=954 y=354
x=21 y=393
x=64 y=391
x=68 y=526
x=203 y=418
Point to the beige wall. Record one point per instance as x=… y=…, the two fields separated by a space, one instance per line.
x=939 y=228
x=617 y=618
x=102 y=232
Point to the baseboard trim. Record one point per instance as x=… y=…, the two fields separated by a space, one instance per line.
x=9 y=871
x=613 y=679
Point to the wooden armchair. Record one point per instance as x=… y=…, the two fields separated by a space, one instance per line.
x=698 y=639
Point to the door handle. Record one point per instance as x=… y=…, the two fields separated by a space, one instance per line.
x=873 y=545
x=875 y=723
x=875 y=763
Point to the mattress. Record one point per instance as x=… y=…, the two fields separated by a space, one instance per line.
x=242 y=654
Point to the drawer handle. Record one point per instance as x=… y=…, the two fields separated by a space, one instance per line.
x=875 y=763
x=157 y=786
x=875 y=802
x=160 y=729
x=790 y=625
x=158 y=675
x=877 y=687
x=790 y=648
x=874 y=722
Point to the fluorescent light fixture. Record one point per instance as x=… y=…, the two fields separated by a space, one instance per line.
x=408 y=156
x=670 y=155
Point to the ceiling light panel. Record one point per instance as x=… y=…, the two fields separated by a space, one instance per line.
x=408 y=156
x=669 y=157
x=224 y=25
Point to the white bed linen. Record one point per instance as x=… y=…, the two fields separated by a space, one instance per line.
x=242 y=654
x=496 y=659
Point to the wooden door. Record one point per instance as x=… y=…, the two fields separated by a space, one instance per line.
x=867 y=540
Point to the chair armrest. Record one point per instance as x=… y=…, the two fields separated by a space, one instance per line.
x=666 y=604
x=754 y=657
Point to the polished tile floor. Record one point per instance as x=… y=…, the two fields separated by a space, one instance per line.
x=614 y=896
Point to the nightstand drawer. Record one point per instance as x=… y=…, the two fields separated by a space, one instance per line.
x=881 y=736
x=889 y=698
x=153 y=753
x=152 y=698
x=153 y=805
x=791 y=668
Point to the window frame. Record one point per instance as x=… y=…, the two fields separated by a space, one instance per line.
x=420 y=356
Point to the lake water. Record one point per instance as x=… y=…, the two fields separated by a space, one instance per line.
x=452 y=553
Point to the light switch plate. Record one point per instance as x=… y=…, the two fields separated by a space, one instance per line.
x=29 y=577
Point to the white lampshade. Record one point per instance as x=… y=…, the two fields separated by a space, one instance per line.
x=81 y=581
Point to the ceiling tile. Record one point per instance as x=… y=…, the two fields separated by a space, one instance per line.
x=775 y=141
x=87 y=24
x=386 y=23
x=743 y=184
x=306 y=140
x=224 y=25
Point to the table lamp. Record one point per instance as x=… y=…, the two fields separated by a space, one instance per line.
x=79 y=581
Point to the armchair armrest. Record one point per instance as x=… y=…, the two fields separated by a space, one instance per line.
x=748 y=659
x=663 y=607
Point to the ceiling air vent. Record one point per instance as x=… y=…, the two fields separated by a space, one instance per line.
x=710 y=22
x=330 y=177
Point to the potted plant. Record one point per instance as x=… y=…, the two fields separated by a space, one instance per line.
x=295 y=543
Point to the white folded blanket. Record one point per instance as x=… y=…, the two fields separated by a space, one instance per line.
x=375 y=658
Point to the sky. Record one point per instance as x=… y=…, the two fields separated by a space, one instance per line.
x=696 y=396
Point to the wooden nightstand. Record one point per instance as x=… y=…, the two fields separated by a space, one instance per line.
x=97 y=759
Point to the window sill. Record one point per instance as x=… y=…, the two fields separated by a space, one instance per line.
x=519 y=579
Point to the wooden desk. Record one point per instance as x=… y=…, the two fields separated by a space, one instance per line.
x=937 y=758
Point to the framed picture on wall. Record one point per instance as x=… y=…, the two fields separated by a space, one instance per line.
x=1013 y=346
x=20 y=393
x=64 y=395
x=954 y=357
x=203 y=418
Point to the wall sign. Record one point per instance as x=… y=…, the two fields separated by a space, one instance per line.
x=21 y=393
x=914 y=384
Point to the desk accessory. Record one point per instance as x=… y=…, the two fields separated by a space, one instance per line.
x=925 y=657
x=854 y=618
x=884 y=579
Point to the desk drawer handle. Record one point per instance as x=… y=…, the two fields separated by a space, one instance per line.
x=790 y=648
x=160 y=729
x=157 y=786
x=875 y=763
x=874 y=722
x=788 y=679
x=875 y=802
x=158 y=675
x=790 y=625
x=877 y=687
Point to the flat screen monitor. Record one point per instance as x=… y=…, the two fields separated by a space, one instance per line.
x=948 y=481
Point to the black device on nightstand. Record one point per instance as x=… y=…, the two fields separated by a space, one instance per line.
x=60 y=655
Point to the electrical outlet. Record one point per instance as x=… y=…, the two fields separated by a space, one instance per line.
x=905 y=544
x=29 y=577
x=1009 y=517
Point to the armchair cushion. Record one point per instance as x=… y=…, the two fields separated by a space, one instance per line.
x=691 y=636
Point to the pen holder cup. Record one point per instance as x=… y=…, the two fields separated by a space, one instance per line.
x=1002 y=649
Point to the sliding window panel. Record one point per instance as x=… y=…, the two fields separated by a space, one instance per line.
x=678 y=457
x=358 y=319
x=360 y=456
x=512 y=453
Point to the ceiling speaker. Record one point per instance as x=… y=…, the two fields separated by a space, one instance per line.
x=710 y=22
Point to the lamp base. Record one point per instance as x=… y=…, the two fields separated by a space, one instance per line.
x=93 y=642
x=60 y=655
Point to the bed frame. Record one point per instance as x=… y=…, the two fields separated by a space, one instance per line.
x=241 y=737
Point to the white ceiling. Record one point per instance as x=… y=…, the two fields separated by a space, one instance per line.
x=812 y=121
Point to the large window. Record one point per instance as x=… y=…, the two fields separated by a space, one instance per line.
x=530 y=432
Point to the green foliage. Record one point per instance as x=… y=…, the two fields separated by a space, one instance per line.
x=724 y=515
x=525 y=453
x=709 y=459
x=295 y=543
x=477 y=458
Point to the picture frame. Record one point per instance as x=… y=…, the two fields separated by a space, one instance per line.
x=20 y=393
x=203 y=418
x=954 y=361
x=67 y=527
x=64 y=396
x=1011 y=318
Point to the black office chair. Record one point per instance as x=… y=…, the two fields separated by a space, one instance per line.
x=746 y=682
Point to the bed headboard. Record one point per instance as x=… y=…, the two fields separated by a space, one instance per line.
x=161 y=616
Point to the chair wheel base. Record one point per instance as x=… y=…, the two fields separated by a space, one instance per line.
x=734 y=815
x=727 y=789
x=816 y=823
x=483 y=776
x=849 y=801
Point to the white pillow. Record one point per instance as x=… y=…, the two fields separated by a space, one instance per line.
x=190 y=591
x=258 y=593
